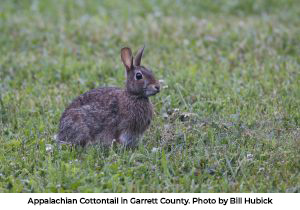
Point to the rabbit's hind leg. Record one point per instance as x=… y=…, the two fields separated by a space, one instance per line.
x=73 y=130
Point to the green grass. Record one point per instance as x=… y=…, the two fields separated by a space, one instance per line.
x=227 y=119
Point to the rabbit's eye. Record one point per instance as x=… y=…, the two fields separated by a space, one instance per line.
x=138 y=76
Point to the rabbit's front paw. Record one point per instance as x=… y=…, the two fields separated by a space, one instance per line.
x=128 y=140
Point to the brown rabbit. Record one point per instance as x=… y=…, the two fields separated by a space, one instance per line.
x=103 y=115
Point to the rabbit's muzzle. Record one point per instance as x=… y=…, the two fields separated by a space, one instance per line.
x=152 y=89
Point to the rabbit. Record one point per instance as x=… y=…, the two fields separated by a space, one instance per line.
x=109 y=114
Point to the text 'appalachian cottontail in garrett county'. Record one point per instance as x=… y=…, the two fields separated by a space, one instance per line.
x=108 y=114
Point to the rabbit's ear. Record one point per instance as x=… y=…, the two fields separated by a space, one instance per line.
x=138 y=57
x=127 y=58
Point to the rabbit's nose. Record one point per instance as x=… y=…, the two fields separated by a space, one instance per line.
x=157 y=87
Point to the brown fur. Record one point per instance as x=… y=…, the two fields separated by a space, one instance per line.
x=105 y=114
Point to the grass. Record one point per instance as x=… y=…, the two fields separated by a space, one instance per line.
x=227 y=119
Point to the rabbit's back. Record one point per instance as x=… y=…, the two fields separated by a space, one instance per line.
x=90 y=114
x=103 y=114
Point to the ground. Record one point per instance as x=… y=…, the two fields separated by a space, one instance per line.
x=227 y=118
